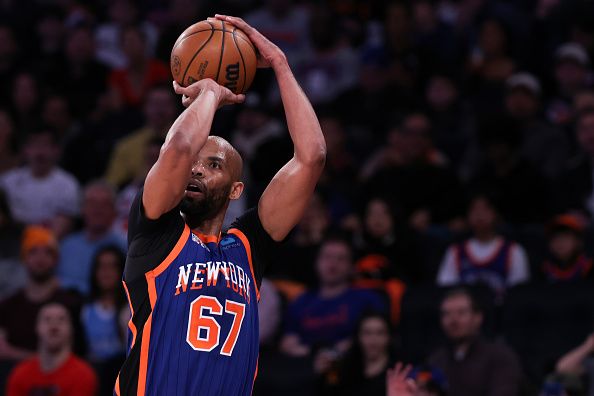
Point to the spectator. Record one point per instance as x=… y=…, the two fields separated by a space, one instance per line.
x=571 y=76
x=304 y=244
x=78 y=249
x=485 y=257
x=18 y=312
x=81 y=77
x=9 y=60
x=321 y=323
x=110 y=48
x=100 y=317
x=577 y=175
x=131 y=84
x=40 y=190
x=269 y=313
x=544 y=146
x=521 y=191
x=363 y=370
x=25 y=101
x=283 y=23
x=128 y=159
x=472 y=365
x=383 y=238
x=8 y=153
x=412 y=174
x=329 y=68
x=54 y=370
x=566 y=261
x=56 y=114
x=12 y=274
x=580 y=362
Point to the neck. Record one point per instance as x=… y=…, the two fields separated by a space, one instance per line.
x=485 y=236
x=51 y=360
x=329 y=291
x=107 y=299
x=95 y=234
x=41 y=291
x=376 y=364
x=210 y=226
x=40 y=173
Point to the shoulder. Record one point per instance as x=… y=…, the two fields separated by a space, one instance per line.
x=24 y=369
x=62 y=176
x=10 y=176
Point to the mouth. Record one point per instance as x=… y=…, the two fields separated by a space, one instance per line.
x=194 y=188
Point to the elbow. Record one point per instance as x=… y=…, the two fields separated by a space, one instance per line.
x=179 y=146
x=316 y=157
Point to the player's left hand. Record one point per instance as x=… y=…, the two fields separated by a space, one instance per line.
x=269 y=54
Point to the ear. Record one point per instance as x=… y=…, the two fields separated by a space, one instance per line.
x=236 y=190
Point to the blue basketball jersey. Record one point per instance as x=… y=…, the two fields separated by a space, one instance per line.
x=194 y=327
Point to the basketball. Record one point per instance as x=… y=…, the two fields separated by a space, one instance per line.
x=216 y=50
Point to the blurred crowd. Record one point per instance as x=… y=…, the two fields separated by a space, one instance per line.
x=451 y=230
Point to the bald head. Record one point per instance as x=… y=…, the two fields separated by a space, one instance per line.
x=230 y=154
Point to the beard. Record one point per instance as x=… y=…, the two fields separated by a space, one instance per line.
x=209 y=206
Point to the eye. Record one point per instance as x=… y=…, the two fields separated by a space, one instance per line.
x=215 y=165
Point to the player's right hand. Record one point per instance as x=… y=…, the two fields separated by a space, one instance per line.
x=190 y=93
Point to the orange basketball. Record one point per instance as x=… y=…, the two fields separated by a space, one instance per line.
x=216 y=50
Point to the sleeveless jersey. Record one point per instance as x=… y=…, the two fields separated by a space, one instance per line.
x=492 y=271
x=194 y=325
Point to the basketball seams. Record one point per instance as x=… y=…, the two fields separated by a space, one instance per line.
x=222 y=50
x=195 y=54
x=242 y=60
x=249 y=42
x=179 y=41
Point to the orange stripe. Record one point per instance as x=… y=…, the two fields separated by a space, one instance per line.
x=248 y=250
x=131 y=325
x=152 y=290
x=255 y=373
x=207 y=238
x=117 y=385
x=172 y=255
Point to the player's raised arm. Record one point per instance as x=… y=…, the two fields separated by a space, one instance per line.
x=284 y=200
x=167 y=180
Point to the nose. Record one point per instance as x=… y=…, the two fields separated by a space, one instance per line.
x=198 y=169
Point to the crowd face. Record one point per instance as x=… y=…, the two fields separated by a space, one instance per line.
x=134 y=46
x=42 y=153
x=441 y=93
x=482 y=217
x=54 y=328
x=458 y=320
x=521 y=104
x=108 y=271
x=25 y=94
x=565 y=245
x=98 y=209
x=378 y=219
x=334 y=264
x=40 y=263
x=160 y=108
x=570 y=75
x=80 y=46
x=374 y=338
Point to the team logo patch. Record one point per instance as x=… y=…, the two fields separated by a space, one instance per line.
x=228 y=242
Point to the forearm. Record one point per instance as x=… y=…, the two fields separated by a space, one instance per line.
x=303 y=124
x=191 y=129
x=572 y=362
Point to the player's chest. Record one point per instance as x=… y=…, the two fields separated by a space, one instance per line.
x=215 y=269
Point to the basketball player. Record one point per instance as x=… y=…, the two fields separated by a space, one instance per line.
x=193 y=290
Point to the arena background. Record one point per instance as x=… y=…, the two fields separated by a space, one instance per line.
x=436 y=114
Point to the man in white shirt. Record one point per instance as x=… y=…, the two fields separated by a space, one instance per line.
x=486 y=257
x=40 y=190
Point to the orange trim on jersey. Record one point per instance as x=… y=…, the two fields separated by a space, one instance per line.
x=152 y=291
x=131 y=325
x=207 y=238
x=248 y=250
x=172 y=255
x=255 y=373
x=117 y=385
